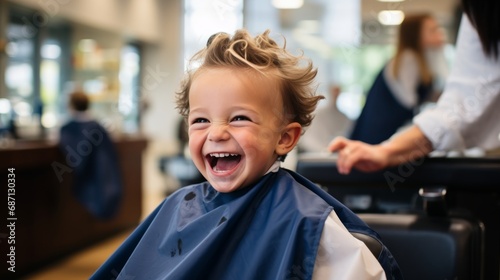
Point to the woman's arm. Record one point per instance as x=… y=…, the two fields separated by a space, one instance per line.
x=408 y=145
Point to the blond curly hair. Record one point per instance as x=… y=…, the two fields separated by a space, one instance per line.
x=262 y=54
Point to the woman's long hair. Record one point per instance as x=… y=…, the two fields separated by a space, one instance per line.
x=410 y=39
x=485 y=17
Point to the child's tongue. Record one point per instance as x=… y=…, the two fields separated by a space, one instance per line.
x=226 y=163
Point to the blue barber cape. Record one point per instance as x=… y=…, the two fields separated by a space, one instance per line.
x=92 y=156
x=270 y=230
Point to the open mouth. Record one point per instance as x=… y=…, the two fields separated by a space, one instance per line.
x=220 y=162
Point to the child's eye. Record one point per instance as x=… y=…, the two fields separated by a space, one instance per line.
x=200 y=120
x=240 y=118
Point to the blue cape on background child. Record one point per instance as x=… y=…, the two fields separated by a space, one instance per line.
x=97 y=183
x=270 y=230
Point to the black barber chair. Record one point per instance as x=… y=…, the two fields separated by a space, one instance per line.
x=432 y=236
x=433 y=245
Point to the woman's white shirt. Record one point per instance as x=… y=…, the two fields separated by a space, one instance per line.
x=404 y=85
x=468 y=112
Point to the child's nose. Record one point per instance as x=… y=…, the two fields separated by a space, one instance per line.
x=218 y=132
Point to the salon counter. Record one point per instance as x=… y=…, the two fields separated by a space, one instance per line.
x=460 y=172
x=49 y=222
x=472 y=187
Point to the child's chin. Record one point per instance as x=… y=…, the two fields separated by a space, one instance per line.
x=225 y=188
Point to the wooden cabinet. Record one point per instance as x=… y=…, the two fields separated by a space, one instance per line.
x=50 y=222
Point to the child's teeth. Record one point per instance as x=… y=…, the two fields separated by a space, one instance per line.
x=222 y=154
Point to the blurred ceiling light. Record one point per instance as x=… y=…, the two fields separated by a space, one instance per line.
x=50 y=51
x=393 y=17
x=4 y=106
x=11 y=49
x=86 y=45
x=23 y=109
x=288 y=4
x=49 y=120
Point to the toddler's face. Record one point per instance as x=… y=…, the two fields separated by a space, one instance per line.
x=235 y=126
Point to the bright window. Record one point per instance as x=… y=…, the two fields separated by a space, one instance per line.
x=203 y=18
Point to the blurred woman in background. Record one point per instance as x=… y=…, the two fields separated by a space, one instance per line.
x=467 y=114
x=406 y=81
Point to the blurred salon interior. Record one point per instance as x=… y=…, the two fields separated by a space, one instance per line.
x=119 y=63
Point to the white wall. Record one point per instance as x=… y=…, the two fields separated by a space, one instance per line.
x=162 y=73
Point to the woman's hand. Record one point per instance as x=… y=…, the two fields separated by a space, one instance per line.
x=359 y=155
x=408 y=145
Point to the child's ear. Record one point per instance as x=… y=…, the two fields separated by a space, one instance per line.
x=289 y=138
